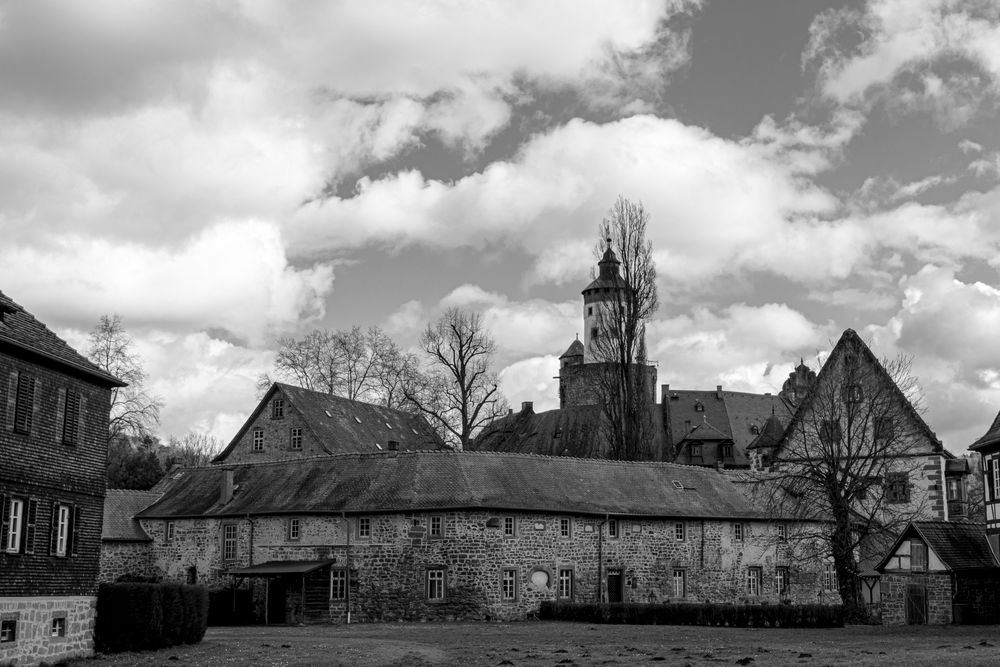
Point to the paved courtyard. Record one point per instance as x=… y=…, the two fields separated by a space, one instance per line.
x=537 y=643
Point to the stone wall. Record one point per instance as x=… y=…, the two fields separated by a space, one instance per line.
x=34 y=615
x=390 y=566
x=894 y=593
x=125 y=558
x=579 y=383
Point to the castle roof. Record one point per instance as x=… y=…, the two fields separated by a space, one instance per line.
x=770 y=435
x=959 y=545
x=19 y=329
x=990 y=438
x=575 y=349
x=342 y=425
x=120 y=506
x=447 y=480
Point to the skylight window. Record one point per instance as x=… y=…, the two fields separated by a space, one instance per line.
x=356 y=419
x=388 y=426
x=328 y=414
x=678 y=485
x=378 y=446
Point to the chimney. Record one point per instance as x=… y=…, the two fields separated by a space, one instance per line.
x=718 y=392
x=527 y=406
x=226 y=492
x=664 y=392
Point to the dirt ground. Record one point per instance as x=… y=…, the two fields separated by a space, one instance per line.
x=545 y=643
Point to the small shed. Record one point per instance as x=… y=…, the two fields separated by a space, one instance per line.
x=940 y=572
x=294 y=591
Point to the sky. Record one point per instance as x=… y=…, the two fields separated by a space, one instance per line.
x=221 y=174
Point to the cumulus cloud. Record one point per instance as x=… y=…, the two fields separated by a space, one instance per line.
x=234 y=275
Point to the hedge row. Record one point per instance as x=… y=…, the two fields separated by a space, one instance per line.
x=135 y=617
x=730 y=615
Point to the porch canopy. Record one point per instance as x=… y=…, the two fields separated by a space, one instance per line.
x=276 y=568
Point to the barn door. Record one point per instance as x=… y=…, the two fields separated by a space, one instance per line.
x=616 y=585
x=916 y=604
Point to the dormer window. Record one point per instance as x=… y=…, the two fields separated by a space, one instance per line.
x=727 y=451
x=557 y=433
x=695 y=452
x=278 y=408
x=699 y=406
x=755 y=429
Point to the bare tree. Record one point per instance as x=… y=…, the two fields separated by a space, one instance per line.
x=458 y=391
x=134 y=412
x=846 y=466
x=359 y=364
x=624 y=384
x=193 y=450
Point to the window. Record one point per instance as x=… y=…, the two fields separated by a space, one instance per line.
x=565 y=527
x=829 y=431
x=613 y=528
x=435 y=584
x=996 y=478
x=680 y=583
x=229 y=542
x=338 y=584
x=753 y=581
x=294 y=529
x=954 y=489
x=897 y=487
x=437 y=526
x=782 y=532
x=593 y=333
x=781 y=580
x=192 y=575
x=364 y=527
x=8 y=630
x=695 y=452
x=852 y=393
x=58 y=627
x=509 y=527
x=508 y=585
x=590 y=311
x=885 y=428
x=738 y=532
x=918 y=555
x=727 y=451
x=168 y=532
x=295 y=438
x=699 y=406
x=62 y=529
x=830 y=577
x=258 y=439
x=71 y=418
x=679 y=531
x=14 y=513
x=565 y=580
x=24 y=403
x=278 y=408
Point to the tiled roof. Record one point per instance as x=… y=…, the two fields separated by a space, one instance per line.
x=120 y=506
x=341 y=425
x=575 y=349
x=445 y=480
x=19 y=328
x=990 y=438
x=960 y=546
x=770 y=435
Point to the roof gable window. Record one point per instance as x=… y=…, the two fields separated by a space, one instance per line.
x=278 y=408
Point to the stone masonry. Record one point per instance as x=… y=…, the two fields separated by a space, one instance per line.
x=36 y=640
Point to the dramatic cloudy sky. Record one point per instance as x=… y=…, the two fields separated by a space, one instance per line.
x=222 y=173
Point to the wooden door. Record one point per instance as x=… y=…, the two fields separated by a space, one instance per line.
x=616 y=585
x=916 y=604
x=276 y=600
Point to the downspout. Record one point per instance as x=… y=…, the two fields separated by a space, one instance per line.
x=250 y=550
x=600 y=560
x=702 y=557
x=944 y=490
x=347 y=575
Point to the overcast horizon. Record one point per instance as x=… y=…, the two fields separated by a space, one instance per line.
x=224 y=173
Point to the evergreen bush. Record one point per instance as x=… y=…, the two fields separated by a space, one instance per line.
x=139 y=616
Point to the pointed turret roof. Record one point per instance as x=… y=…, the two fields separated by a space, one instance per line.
x=770 y=435
x=991 y=437
x=574 y=350
x=608 y=275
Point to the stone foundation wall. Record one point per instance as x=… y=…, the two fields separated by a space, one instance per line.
x=390 y=566
x=34 y=642
x=939 y=597
x=125 y=558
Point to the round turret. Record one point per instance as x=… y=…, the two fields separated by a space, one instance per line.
x=607 y=288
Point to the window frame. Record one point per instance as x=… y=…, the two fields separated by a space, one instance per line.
x=228 y=542
x=363 y=528
x=918 y=547
x=509 y=526
x=57 y=629
x=679 y=574
x=339 y=581
x=782 y=580
x=726 y=451
x=782 y=529
x=614 y=531
x=830 y=584
x=257 y=439
x=680 y=531
x=8 y=630
x=754 y=576
x=697 y=452
x=738 y=532
x=71 y=417
x=14 y=536
x=64 y=516
x=565 y=528
x=565 y=583
x=996 y=477
x=509 y=587
x=897 y=487
x=169 y=531
x=435 y=586
x=24 y=403
x=294 y=529
x=853 y=394
x=435 y=526
x=295 y=438
x=278 y=408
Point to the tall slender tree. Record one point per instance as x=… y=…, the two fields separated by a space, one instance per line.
x=624 y=386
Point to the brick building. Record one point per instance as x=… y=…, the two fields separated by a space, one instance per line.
x=447 y=535
x=53 y=447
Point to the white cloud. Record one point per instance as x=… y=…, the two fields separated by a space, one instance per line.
x=533 y=379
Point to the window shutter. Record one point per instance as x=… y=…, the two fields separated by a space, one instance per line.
x=11 y=400
x=36 y=404
x=29 y=526
x=81 y=410
x=75 y=532
x=61 y=416
x=54 y=529
x=4 y=522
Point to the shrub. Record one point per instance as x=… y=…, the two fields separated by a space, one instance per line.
x=137 y=616
x=730 y=615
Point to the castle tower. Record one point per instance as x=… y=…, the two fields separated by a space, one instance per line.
x=598 y=296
